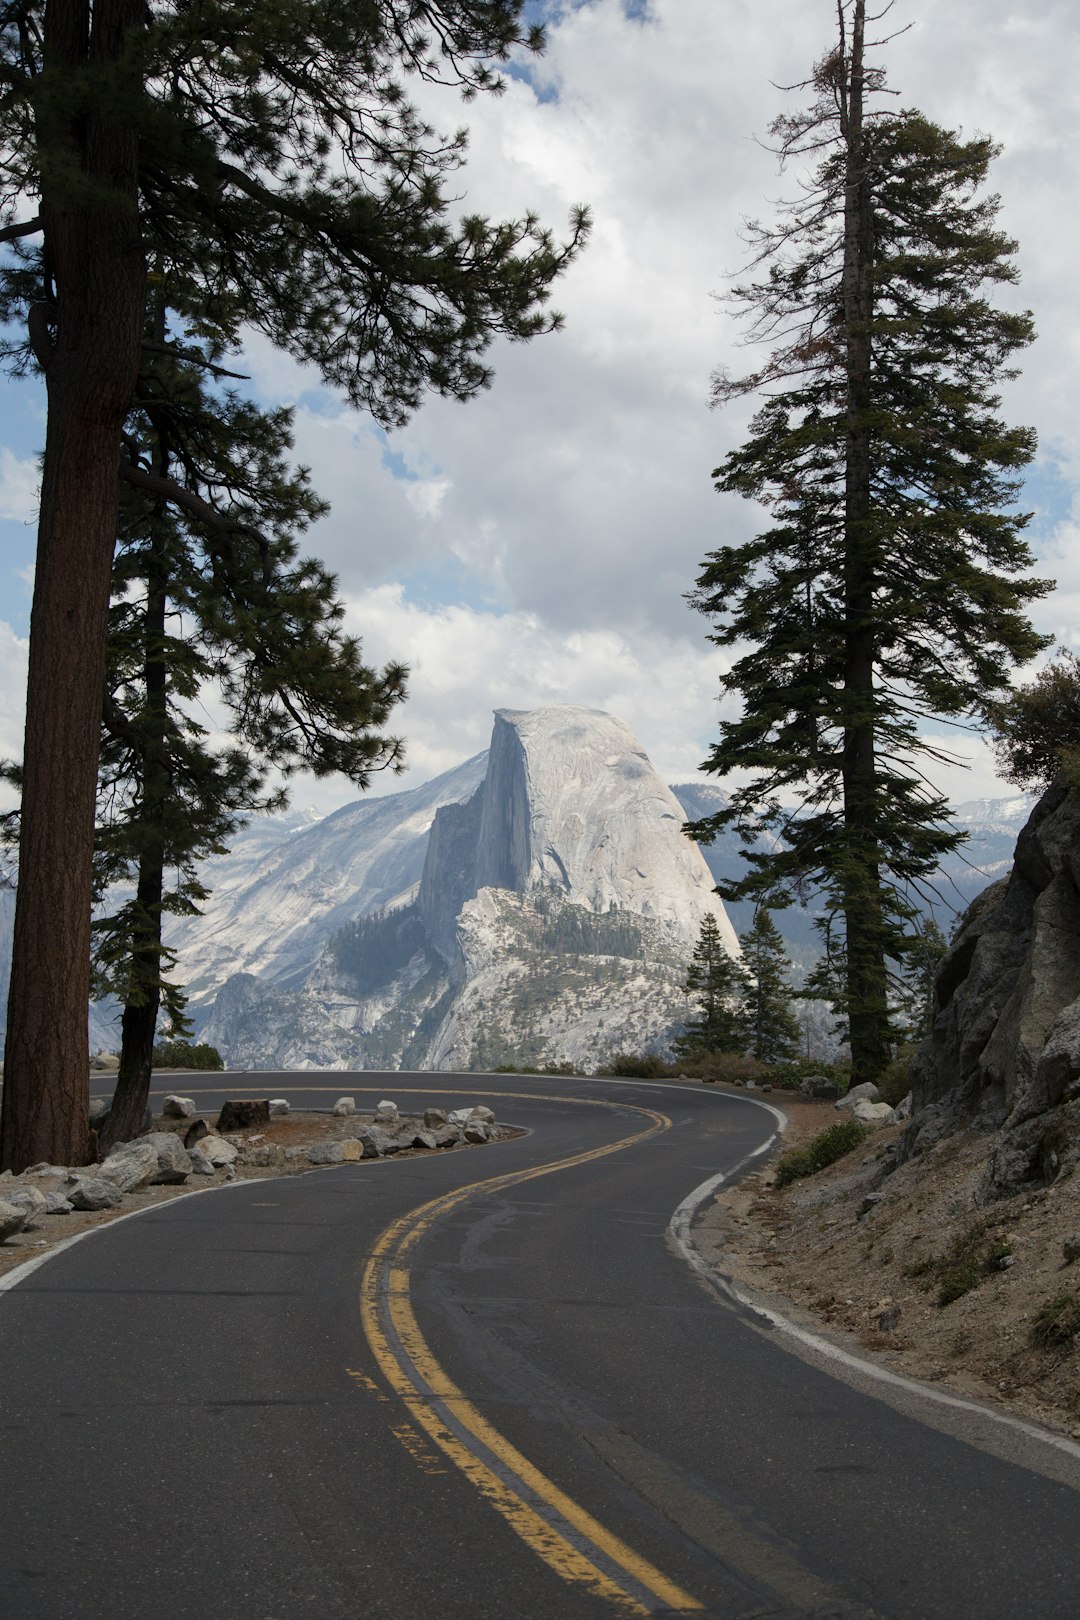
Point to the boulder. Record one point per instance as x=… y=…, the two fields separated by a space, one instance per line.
x=872 y=1113
x=173 y=1161
x=92 y=1192
x=371 y=1142
x=448 y=1136
x=434 y=1118
x=386 y=1112
x=243 y=1114
x=28 y=1198
x=278 y=1106
x=13 y=1217
x=424 y=1139
x=131 y=1164
x=458 y=1116
x=903 y=1108
x=57 y=1204
x=200 y=1164
x=819 y=1087
x=175 y=1107
x=477 y=1130
x=195 y=1133
x=347 y=1151
x=263 y=1156
x=218 y=1151
x=481 y=1112
x=867 y=1092
x=345 y=1106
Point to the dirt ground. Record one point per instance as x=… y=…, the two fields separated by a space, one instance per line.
x=288 y=1131
x=874 y=1278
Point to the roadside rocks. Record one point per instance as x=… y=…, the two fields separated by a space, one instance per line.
x=386 y=1112
x=92 y=1192
x=867 y=1092
x=13 y=1217
x=278 y=1106
x=477 y=1130
x=30 y=1199
x=131 y=1165
x=347 y=1151
x=875 y=1114
x=345 y=1106
x=175 y=1107
x=434 y=1118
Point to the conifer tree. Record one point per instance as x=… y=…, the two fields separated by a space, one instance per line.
x=717 y=985
x=267 y=162
x=771 y=1026
x=887 y=585
x=209 y=592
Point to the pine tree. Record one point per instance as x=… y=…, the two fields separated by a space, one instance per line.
x=209 y=592
x=885 y=589
x=915 y=991
x=717 y=985
x=267 y=162
x=772 y=1026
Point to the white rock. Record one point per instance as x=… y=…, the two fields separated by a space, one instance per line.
x=345 y=1106
x=903 y=1107
x=477 y=1130
x=871 y=1113
x=343 y=1152
x=217 y=1150
x=867 y=1092
x=175 y=1107
x=131 y=1165
x=13 y=1217
x=386 y=1112
x=458 y=1116
x=200 y=1164
x=174 y=1164
x=481 y=1112
x=28 y=1198
x=278 y=1105
x=57 y=1204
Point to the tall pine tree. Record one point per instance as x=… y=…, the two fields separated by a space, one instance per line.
x=886 y=588
x=267 y=161
x=771 y=1027
x=717 y=986
x=209 y=594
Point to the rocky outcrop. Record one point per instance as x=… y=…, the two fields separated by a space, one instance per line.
x=1004 y=1051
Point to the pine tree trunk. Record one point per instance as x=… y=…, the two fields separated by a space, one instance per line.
x=863 y=915
x=94 y=259
x=138 y=1024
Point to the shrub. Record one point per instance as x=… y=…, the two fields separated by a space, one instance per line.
x=894 y=1081
x=639 y=1066
x=186 y=1055
x=729 y=1066
x=787 y=1076
x=1056 y=1322
x=823 y=1150
x=972 y=1256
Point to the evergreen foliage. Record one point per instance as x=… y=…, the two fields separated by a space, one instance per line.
x=371 y=950
x=269 y=166
x=821 y=1151
x=771 y=1026
x=887 y=586
x=1036 y=729
x=718 y=986
x=914 y=997
x=180 y=1054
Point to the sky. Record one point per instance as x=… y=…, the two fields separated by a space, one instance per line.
x=534 y=546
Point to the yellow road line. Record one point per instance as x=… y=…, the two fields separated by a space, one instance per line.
x=574 y=1544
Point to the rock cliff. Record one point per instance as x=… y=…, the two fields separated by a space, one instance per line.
x=1004 y=1053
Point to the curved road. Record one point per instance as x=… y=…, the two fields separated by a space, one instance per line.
x=484 y=1386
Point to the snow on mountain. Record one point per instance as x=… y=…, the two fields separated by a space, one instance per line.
x=557 y=908
x=282 y=890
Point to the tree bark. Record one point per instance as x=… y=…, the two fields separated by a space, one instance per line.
x=868 y=1013
x=94 y=262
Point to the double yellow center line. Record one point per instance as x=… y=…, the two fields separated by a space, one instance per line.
x=565 y=1536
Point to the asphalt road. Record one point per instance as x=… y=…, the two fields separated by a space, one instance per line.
x=472 y=1387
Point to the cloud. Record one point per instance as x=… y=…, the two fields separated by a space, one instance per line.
x=20 y=483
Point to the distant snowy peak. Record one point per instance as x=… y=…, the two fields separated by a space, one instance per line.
x=996 y=815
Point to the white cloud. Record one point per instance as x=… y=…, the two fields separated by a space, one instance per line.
x=20 y=483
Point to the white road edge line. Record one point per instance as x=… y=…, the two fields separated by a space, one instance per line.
x=679 y=1230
